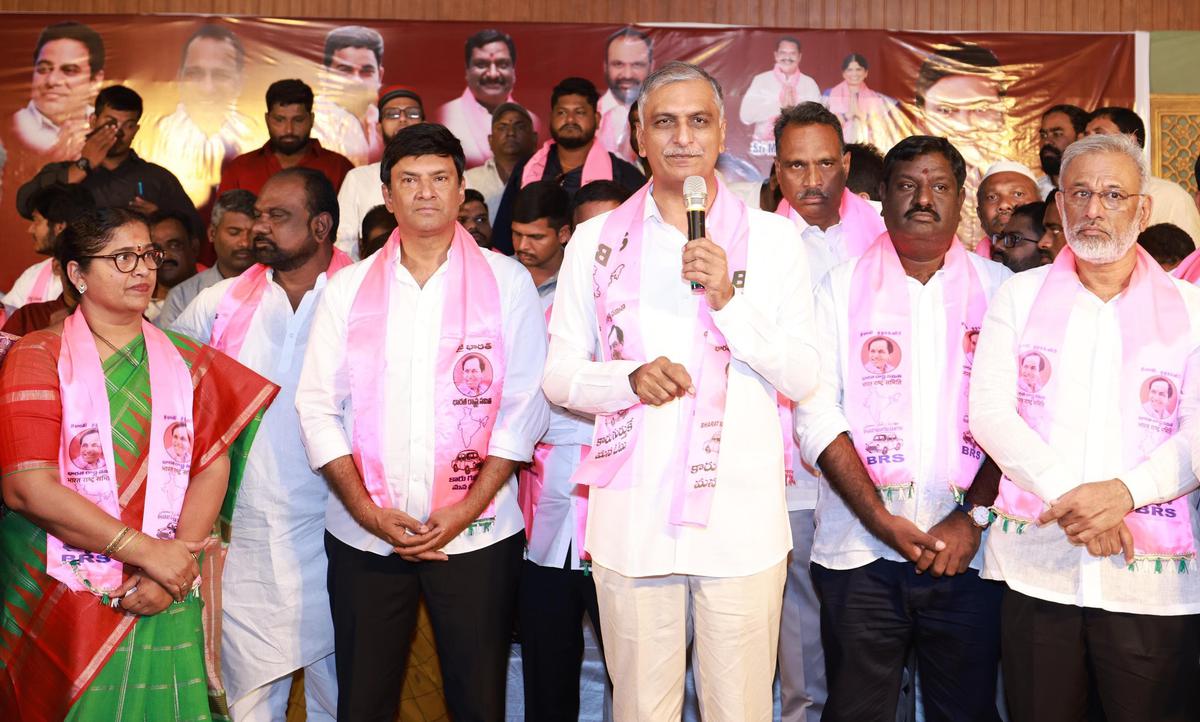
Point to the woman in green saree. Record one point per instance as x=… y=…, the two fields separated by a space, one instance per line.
x=100 y=619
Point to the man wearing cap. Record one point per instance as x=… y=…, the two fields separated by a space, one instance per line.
x=512 y=140
x=1005 y=185
x=399 y=107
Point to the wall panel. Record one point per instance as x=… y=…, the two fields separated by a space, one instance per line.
x=1002 y=15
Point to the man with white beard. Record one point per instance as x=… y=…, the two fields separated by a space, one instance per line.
x=1093 y=528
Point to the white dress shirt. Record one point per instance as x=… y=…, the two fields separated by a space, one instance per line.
x=275 y=609
x=414 y=327
x=1040 y=562
x=486 y=180
x=614 y=127
x=842 y=542
x=195 y=157
x=768 y=327
x=360 y=192
x=23 y=286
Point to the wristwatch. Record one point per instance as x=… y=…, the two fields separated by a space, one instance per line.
x=980 y=516
x=84 y=165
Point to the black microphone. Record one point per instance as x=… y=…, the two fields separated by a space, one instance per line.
x=695 y=198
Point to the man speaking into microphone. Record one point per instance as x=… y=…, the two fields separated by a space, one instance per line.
x=687 y=517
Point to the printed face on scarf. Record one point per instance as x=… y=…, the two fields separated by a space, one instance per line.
x=1159 y=394
x=91 y=452
x=878 y=354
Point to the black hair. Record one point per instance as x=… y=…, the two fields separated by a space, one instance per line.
x=1034 y=212
x=71 y=30
x=575 y=86
x=866 y=169
x=633 y=34
x=915 y=146
x=220 y=33
x=808 y=113
x=600 y=190
x=119 y=97
x=319 y=194
x=1125 y=119
x=1166 y=242
x=1078 y=116
x=789 y=39
x=472 y=194
x=353 y=36
x=543 y=199
x=421 y=139
x=958 y=58
x=855 y=58
x=88 y=232
x=163 y=216
x=377 y=216
x=487 y=37
x=290 y=92
x=59 y=203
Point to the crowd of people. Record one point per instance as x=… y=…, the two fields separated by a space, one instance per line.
x=492 y=378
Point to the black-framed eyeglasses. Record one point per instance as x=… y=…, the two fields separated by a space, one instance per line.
x=398 y=113
x=126 y=261
x=1010 y=240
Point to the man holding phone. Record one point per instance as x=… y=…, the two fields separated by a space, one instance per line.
x=110 y=169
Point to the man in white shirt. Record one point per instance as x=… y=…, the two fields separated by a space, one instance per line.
x=399 y=107
x=1005 y=185
x=68 y=70
x=230 y=233
x=894 y=557
x=345 y=115
x=491 y=58
x=673 y=541
x=628 y=59
x=778 y=88
x=461 y=555
x=1172 y=204
x=557 y=588
x=512 y=140
x=275 y=606
x=812 y=165
x=50 y=209
x=1097 y=604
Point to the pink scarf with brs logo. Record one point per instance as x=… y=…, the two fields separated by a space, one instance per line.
x=617 y=277
x=879 y=378
x=85 y=457
x=1154 y=323
x=241 y=300
x=597 y=165
x=469 y=371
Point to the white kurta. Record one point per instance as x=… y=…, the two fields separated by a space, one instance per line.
x=22 y=290
x=841 y=541
x=361 y=191
x=769 y=330
x=1040 y=562
x=276 y=608
x=760 y=104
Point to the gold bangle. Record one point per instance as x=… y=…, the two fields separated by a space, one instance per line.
x=129 y=540
x=108 y=550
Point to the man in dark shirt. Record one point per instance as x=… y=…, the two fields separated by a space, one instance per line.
x=109 y=168
x=573 y=123
x=289 y=125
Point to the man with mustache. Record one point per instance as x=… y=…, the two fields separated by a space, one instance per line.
x=1017 y=245
x=473 y=215
x=399 y=107
x=769 y=92
x=275 y=616
x=812 y=165
x=1061 y=126
x=895 y=557
x=170 y=233
x=1004 y=186
x=663 y=507
x=290 y=145
x=628 y=59
x=229 y=232
x=1053 y=239
x=68 y=70
x=1172 y=204
x=1094 y=536
x=512 y=140
x=491 y=58
x=111 y=170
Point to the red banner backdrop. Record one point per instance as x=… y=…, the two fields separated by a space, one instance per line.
x=195 y=120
